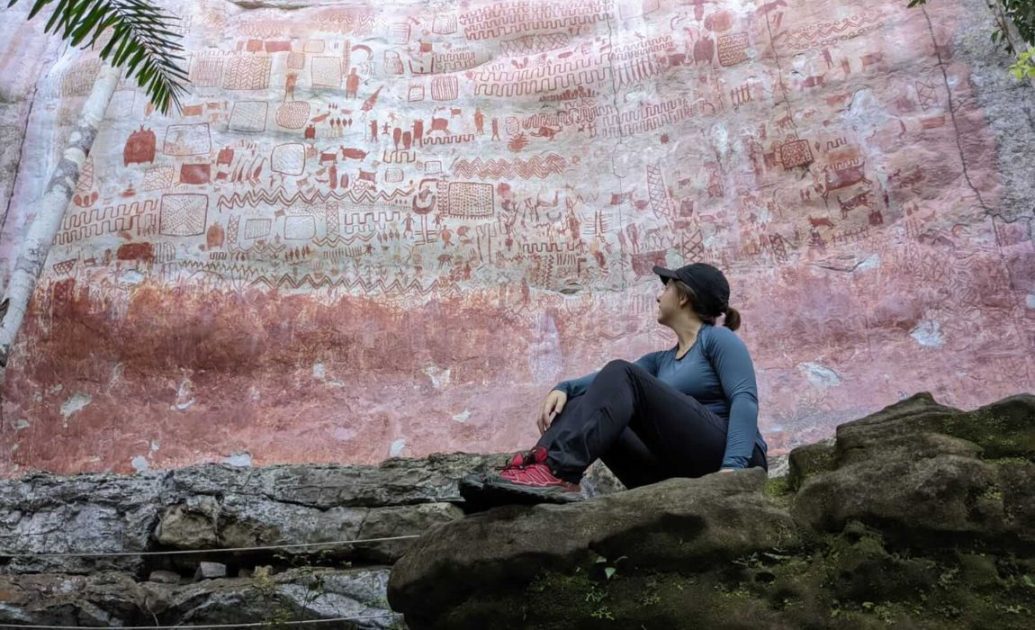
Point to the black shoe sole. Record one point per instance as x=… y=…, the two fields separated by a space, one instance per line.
x=529 y=494
x=480 y=495
x=472 y=490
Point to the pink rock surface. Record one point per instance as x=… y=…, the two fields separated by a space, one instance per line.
x=389 y=229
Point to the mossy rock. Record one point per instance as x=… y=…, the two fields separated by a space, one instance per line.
x=1004 y=429
x=851 y=580
x=1000 y=430
x=808 y=460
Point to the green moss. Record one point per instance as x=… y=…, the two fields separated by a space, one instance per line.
x=1010 y=461
x=1002 y=432
x=992 y=493
x=808 y=460
x=779 y=490
x=851 y=579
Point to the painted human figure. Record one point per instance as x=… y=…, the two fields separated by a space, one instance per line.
x=352 y=84
x=418 y=132
x=289 y=86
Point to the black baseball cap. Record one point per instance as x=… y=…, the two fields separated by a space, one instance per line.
x=708 y=283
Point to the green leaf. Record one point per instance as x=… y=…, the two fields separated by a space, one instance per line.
x=609 y=571
x=60 y=13
x=142 y=40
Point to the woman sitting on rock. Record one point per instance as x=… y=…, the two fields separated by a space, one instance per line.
x=682 y=412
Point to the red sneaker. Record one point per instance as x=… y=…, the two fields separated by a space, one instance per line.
x=472 y=486
x=535 y=480
x=520 y=460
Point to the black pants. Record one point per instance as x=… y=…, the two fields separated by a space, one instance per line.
x=644 y=430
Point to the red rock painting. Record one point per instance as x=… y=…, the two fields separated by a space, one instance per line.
x=378 y=231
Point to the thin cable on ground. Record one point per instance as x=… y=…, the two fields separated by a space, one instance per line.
x=180 y=552
x=254 y=624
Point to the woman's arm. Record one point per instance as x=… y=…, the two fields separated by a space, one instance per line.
x=736 y=373
x=577 y=386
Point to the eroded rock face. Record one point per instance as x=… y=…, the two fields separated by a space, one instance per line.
x=919 y=515
x=139 y=518
x=215 y=506
x=387 y=228
x=115 y=599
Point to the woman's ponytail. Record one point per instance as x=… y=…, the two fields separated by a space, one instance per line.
x=732 y=320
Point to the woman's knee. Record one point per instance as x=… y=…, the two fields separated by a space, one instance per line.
x=620 y=370
x=619 y=365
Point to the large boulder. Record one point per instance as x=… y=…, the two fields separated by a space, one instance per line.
x=668 y=525
x=921 y=515
x=924 y=470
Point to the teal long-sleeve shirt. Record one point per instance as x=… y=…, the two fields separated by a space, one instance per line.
x=718 y=372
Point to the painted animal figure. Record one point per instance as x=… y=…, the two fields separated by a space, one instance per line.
x=820 y=221
x=836 y=179
x=915 y=177
x=440 y=124
x=545 y=132
x=860 y=200
x=349 y=153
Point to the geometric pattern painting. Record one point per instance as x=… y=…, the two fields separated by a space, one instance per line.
x=183 y=214
x=248 y=116
x=288 y=159
x=247 y=72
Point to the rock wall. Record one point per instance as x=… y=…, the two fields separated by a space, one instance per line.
x=384 y=229
x=918 y=516
x=215 y=543
x=218 y=507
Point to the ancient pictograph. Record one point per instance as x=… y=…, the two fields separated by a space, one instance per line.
x=524 y=155
x=183 y=214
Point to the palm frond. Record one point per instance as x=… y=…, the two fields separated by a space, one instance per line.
x=140 y=36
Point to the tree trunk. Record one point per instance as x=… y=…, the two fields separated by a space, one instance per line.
x=45 y=224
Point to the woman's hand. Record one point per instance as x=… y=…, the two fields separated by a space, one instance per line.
x=552 y=406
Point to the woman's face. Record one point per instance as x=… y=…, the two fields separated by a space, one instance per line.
x=668 y=303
